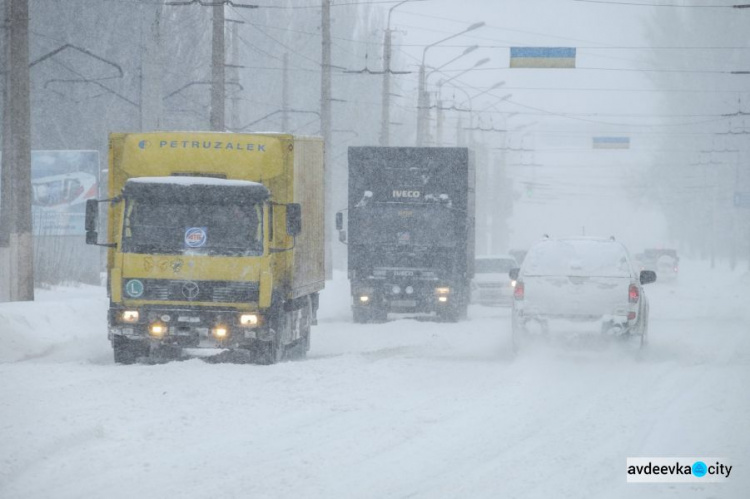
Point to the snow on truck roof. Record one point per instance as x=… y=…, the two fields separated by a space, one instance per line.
x=186 y=180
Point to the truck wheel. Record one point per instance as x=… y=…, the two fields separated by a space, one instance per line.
x=272 y=351
x=298 y=350
x=361 y=315
x=128 y=351
x=451 y=313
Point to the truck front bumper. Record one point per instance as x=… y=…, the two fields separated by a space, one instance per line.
x=190 y=328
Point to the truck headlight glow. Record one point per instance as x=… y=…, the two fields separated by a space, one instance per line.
x=396 y=289
x=220 y=332
x=249 y=320
x=513 y=283
x=409 y=290
x=364 y=299
x=157 y=329
x=442 y=299
x=129 y=316
x=443 y=291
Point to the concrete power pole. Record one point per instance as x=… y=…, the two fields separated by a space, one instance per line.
x=218 y=123
x=325 y=126
x=151 y=70
x=5 y=176
x=385 y=115
x=235 y=75
x=285 y=95
x=16 y=159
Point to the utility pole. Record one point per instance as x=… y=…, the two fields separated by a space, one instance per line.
x=16 y=159
x=150 y=104
x=5 y=176
x=235 y=74
x=385 y=116
x=386 y=98
x=218 y=95
x=285 y=94
x=325 y=125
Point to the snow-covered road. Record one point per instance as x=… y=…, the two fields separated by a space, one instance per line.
x=404 y=409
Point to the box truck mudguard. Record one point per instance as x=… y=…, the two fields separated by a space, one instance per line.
x=215 y=240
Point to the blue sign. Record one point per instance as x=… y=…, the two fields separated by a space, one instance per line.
x=742 y=199
x=195 y=237
x=542 y=57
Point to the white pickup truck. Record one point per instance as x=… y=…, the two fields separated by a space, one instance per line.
x=578 y=281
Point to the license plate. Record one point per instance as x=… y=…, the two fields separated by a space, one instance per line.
x=184 y=318
x=404 y=303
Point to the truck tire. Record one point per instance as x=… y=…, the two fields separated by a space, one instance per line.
x=128 y=351
x=298 y=350
x=360 y=315
x=272 y=351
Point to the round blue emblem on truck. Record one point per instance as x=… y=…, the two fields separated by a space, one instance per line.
x=195 y=237
x=134 y=288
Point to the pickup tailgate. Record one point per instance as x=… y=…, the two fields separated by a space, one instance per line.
x=576 y=296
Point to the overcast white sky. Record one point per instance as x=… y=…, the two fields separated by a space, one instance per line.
x=580 y=187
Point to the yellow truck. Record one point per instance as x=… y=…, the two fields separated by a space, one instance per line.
x=216 y=240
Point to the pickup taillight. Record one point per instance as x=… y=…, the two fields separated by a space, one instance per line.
x=518 y=291
x=633 y=294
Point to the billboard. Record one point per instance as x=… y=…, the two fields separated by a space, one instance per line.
x=611 y=143
x=542 y=57
x=61 y=182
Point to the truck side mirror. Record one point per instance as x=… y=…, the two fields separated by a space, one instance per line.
x=342 y=236
x=513 y=274
x=293 y=219
x=339 y=221
x=92 y=220
x=647 y=276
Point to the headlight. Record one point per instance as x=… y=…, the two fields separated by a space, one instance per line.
x=249 y=320
x=442 y=299
x=129 y=316
x=409 y=290
x=513 y=283
x=364 y=299
x=396 y=289
x=220 y=332
x=442 y=291
x=157 y=329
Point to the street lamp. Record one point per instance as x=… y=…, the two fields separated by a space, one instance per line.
x=421 y=96
x=439 y=102
x=386 y=98
x=467 y=51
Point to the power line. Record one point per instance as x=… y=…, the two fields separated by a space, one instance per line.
x=666 y=5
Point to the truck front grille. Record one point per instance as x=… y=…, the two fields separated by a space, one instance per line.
x=196 y=291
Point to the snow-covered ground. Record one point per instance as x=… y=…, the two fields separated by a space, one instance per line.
x=405 y=409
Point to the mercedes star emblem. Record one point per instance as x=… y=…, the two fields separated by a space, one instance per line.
x=190 y=290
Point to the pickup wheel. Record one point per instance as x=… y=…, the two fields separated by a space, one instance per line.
x=128 y=351
x=518 y=331
x=644 y=332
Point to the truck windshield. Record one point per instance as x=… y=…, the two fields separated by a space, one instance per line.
x=217 y=229
x=405 y=225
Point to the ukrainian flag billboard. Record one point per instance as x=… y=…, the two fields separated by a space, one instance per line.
x=542 y=57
